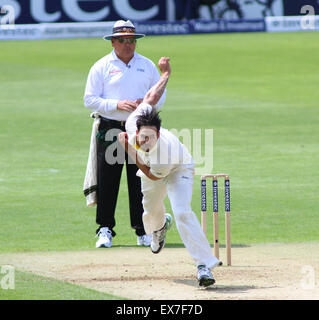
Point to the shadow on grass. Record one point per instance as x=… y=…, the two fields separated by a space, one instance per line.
x=180 y=245
x=168 y=245
x=177 y=245
x=239 y=245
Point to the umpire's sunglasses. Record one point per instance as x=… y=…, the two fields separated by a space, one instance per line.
x=126 y=40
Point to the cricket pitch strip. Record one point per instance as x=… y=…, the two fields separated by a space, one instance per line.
x=268 y=272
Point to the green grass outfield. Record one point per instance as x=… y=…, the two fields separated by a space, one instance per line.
x=258 y=91
x=32 y=287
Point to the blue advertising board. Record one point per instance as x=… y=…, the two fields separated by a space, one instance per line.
x=37 y=11
x=200 y=26
x=297 y=7
x=48 y=11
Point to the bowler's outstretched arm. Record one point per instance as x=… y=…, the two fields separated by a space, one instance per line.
x=155 y=93
x=152 y=96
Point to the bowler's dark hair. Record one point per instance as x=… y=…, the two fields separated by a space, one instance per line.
x=149 y=118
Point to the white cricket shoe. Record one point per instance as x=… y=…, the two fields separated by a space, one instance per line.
x=105 y=238
x=204 y=276
x=159 y=236
x=144 y=240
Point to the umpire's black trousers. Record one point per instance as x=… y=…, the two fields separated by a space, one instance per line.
x=109 y=176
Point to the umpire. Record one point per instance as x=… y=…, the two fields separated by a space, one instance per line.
x=115 y=86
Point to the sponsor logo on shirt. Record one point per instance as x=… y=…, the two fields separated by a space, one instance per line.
x=115 y=71
x=140 y=70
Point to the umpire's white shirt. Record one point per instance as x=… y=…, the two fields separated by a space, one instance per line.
x=111 y=80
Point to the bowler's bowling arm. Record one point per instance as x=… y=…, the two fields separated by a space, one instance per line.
x=156 y=92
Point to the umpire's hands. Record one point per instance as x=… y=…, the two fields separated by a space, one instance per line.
x=127 y=105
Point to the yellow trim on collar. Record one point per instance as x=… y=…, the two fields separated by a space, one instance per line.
x=138 y=148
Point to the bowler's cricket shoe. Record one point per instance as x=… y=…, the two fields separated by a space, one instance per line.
x=204 y=276
x=105 y=238
x=159 y=237
x=144 y=240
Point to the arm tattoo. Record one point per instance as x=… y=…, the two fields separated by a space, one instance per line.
x=155 y=93
x=161 y=86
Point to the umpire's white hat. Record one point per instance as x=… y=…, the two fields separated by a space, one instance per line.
x=123 y=28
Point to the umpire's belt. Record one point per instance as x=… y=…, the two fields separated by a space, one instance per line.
x=114 y=123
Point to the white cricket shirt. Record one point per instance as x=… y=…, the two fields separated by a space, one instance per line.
x=111 y=80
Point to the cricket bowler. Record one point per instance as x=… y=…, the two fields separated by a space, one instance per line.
x=166 y=168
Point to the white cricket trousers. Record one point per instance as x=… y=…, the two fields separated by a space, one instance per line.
x=178 y=185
